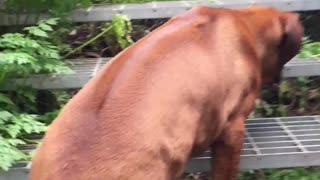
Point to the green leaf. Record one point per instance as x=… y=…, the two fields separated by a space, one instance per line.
x=13 y=130
x=52 y=21
x=36 y=31
x=9 y=153
x=5 y=116
x=45 y=27
x=5 y=99
x=18 y=58
x=122 y=29
x=310 y=49
x=284 y=87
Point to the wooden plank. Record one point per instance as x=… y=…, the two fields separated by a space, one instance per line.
x=154 y=10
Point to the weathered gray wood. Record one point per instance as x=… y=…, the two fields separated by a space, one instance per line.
x=85 y=69
x=167 y=9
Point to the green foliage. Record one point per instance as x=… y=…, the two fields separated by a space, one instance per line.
x=119 y=36
x=12 y=126
x=23 y=54
x=55 y=7
x=27 y=53
x=15 y=125
x=122 y=28
x=282 y=174
x=310 y=49
x=32 y=52
x=297 y=173
x=9 y=153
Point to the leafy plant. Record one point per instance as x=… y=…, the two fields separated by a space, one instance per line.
x=310 y=49
x=296 y=173
x=12 y=126
x=23 y=54
x=32 y=52
x=34 y=8
x=117 y=34
x=282 y=174
x=119 y=37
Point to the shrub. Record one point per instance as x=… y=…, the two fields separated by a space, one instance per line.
x=23 y=54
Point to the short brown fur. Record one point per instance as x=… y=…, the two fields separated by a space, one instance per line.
x=188 y=85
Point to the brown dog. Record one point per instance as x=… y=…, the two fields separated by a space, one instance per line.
x=188 y=85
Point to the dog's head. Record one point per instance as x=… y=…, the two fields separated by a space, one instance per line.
x=278 y=36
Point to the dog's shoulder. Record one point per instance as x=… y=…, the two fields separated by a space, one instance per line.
x=204 y=20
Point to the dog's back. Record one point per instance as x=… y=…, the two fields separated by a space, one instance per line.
x=116 y=126
x=155 y=104
x=121 y=123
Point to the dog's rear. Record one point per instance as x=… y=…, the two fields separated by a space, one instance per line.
x=185 y=86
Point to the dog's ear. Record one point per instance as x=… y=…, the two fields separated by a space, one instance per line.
x=291 y=38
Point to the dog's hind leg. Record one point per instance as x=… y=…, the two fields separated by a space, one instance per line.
x=226 y=151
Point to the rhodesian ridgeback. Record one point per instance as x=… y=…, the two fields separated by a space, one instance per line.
x=188 y=85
